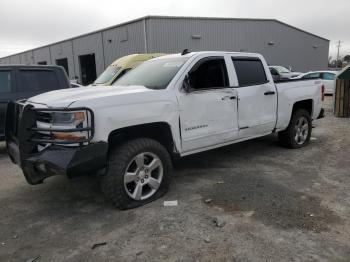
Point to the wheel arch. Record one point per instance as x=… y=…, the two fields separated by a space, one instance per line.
x=159 y=131
x=307 y=104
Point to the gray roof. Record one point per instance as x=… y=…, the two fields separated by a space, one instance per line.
x=170 y=17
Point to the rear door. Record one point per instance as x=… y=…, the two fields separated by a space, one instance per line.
x=208 y=112
x=32 y=82
x=7 y=86
x=257 y=97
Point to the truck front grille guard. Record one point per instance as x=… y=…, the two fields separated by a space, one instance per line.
x=49 y=139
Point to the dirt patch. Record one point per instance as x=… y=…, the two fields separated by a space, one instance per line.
x=270 y=202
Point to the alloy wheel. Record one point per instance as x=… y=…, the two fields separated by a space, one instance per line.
x=143 y=176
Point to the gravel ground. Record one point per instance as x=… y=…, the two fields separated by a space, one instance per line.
x=253 y=201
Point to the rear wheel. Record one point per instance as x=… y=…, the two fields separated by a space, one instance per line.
x=299 y=130
x=139 y=172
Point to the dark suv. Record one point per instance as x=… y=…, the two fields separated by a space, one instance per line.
x=24 y=81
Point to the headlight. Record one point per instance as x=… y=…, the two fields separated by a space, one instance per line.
x=68 y=127
x=68 y=118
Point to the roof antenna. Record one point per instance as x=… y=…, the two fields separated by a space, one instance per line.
x=185 y=52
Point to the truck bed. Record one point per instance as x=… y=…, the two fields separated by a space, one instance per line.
x=297 y=89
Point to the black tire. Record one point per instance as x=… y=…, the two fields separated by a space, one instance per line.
x=288 y=136
x=119 y=159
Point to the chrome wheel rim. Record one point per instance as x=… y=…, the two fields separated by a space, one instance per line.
x=301 y=130
x=143 y=176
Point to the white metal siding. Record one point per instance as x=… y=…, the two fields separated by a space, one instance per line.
x=301 y=51
x=15 y=60
x=64 y=50
x=42 y=55
x=292 y=47
x=5 y=60
x=90 y=44
x=124 y=40
x=27 y=58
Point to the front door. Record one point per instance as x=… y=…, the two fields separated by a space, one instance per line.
x=208 y=111
x=257 y=98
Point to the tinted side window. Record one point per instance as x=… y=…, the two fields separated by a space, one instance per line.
x=250 y=71
x=37 y=80
x=312 y=75
x=5 y=81
x=328 y=76
x=209 y=73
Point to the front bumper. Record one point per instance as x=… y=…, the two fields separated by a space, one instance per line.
x=55 y=159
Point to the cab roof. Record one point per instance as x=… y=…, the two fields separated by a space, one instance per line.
x=191 y=54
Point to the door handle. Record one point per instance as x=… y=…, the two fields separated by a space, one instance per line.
x=269 y=93
x=228 y=97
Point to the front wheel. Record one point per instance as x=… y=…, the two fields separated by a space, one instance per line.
x=298 y=132
x=139 y=172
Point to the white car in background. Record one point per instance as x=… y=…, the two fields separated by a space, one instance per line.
x=281 y=72
x=328 y=79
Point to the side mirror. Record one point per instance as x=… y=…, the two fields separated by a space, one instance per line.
x=186 y=85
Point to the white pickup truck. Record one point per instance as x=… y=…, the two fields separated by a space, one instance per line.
x=175 y=105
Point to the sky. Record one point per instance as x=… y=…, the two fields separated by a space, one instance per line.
x=26 y=24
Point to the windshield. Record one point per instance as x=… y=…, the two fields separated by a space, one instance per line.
x=154 y=74
x=107 y=75
x=281 y=69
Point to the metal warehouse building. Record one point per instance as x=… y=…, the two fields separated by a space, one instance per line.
x=86 y=56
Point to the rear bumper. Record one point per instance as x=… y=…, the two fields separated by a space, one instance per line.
x=55 y=159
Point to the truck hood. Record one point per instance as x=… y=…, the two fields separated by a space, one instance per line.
x=65 y=97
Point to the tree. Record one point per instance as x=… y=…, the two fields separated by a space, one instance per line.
x=346 y=58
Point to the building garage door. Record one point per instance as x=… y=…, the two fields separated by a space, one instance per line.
x=87 y=68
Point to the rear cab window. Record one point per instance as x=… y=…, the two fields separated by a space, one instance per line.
x=37 y=80
x=250 y=71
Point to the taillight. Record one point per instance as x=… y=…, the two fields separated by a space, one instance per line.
x=322 y=90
